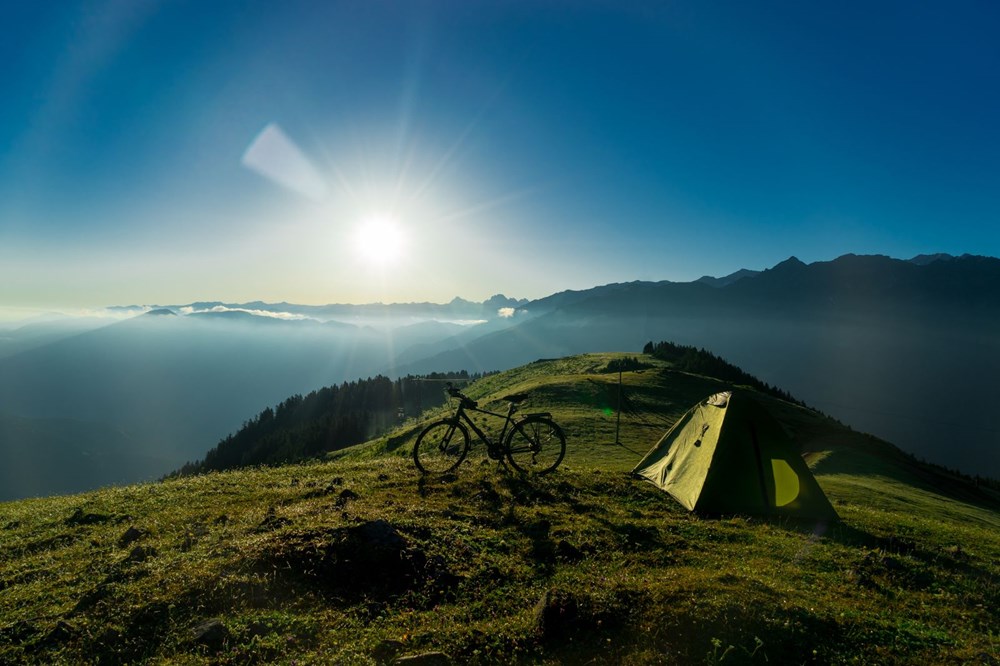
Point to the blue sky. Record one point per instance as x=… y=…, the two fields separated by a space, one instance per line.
x=516 y=147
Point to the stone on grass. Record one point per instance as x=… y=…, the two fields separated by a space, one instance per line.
x=386 y=651
x=556 y=614
x=140 y=554
x=131 y=535
x=211 y=634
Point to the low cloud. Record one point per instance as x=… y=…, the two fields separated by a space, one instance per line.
x=506 y=313
x=288 y=316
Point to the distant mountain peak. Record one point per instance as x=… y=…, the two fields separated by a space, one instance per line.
x=925 y=259
x=728 y=279
x=501 y=301
x=159 y=312
x=795 y=262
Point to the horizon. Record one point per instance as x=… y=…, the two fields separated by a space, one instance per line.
x=19 y=315
x=361 y=153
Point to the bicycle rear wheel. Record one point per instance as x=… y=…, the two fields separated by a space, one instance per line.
x=441 y=447
x=535 y=445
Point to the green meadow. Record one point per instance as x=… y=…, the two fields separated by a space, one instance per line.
x=357 y=559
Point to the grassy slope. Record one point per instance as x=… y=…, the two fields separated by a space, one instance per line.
x=285 y=557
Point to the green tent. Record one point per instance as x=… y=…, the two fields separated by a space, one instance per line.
x=728 y=455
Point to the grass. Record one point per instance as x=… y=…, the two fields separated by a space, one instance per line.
x=359 y=560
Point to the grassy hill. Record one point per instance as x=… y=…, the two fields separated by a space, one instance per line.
x=357 y=559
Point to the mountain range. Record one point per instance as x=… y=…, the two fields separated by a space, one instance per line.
x=905 y=349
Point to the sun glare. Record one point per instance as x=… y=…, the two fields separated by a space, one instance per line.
x=380 y=240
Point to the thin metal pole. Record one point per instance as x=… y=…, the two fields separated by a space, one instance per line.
x=618 y=421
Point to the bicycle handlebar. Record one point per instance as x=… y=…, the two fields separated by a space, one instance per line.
x=466 y=400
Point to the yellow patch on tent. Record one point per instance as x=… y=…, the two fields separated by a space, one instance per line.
x=786 y=482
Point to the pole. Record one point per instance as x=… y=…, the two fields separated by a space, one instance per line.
x=618 y=421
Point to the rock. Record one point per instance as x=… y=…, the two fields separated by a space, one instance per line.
x=556 y=613
x=90 y=599
x=79 y=517
x=386 y=651
x=567 y=552
x=140 y=554
x=381 y=535
x=211 y=634
x=131 y=535
x=346 y=495
x=337 y=481
x=371 y=559
x=383 y=477
x=272 y=522
x=63 y=632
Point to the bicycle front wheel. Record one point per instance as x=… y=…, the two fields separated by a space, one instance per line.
x=536 y=445
x=441 y=447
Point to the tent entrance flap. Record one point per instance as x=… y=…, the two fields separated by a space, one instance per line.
x=760 y=467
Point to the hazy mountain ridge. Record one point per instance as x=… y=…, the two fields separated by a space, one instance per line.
x=866 y=283
x=457 y=308
x=728 y=279
x=851 y=284
x=33 y=334
x=890 y=346
x=180 y=382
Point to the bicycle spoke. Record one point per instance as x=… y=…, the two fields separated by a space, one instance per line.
x=536 y=445
x=440 y=448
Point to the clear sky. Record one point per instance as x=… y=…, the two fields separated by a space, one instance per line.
x=318 y=152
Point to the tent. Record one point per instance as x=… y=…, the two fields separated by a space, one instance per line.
x=728 y=455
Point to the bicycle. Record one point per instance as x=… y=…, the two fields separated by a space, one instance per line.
x=533 y=444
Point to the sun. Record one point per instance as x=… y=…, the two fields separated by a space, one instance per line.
x=379 y=240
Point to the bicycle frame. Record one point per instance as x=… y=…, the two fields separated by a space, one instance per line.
x=522 y=440
x=461 y=415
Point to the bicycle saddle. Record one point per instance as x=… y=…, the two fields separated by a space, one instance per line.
x=516 y=397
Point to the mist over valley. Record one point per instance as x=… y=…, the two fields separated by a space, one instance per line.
x=895 y=348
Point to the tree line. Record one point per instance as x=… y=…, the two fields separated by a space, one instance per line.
x=331 y=418
x=703 y=362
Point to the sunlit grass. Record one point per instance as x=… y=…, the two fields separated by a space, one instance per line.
x=910 y=576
